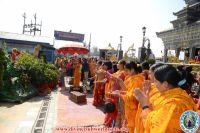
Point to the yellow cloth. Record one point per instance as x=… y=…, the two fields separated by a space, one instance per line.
x=168 y=107
x=130 y=101
x=153 y=95
x=77 y=74
x=92 y=68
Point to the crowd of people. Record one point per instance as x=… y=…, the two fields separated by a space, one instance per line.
x=138 y=96
x=77 y=68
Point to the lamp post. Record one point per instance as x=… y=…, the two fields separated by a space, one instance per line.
x=119 y=49
x=144 y=31
x=144 y=52
x=120 y=45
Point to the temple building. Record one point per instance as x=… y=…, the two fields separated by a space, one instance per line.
x=185 y=34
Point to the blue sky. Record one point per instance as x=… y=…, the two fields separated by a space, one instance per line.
x=106 y=20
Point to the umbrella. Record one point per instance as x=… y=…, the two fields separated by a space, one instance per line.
x=72 y=49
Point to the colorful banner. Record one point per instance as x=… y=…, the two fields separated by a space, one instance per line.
x=68 y=36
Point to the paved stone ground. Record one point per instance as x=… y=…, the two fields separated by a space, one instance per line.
x=73 y=116
x=62 y=112
x=19 y=118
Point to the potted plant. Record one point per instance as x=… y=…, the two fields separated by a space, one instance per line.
x=52 y=75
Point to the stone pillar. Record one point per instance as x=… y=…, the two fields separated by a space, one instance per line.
x=177 y=50
x=192 y=52
x=165 y=54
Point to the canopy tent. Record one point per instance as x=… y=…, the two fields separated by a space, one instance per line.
x=73 y=49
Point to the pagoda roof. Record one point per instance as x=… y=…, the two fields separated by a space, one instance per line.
x=185 y=9
x=165 y=31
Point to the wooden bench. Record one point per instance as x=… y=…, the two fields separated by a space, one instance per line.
x=77 y=97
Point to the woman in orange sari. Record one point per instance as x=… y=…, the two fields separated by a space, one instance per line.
x=133 y=81
x=164 y=117
x=112 y=85
x=153 y=94
x=77 y=72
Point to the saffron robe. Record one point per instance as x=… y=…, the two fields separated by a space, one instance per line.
x=168 y=107
x=92 y=68
x=153 y=95
x=77 y=75
x=131 y=104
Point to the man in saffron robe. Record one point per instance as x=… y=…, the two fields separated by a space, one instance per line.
x=77 y=73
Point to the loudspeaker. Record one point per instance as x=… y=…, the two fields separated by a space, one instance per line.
x=102 y=54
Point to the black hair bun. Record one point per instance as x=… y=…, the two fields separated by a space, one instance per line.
x=109 y=107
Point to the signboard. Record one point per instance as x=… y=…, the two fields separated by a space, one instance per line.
x=182 y=56
x=171 y=53
x=68 y=36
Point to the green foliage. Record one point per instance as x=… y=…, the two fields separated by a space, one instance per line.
x=38 y=71
x=31 y=66
x=15 y=92
x=10 y=72
x=24 y=80
x=20 y=76
x=43 y=57
x=2 y=66
x=51 y=74
x=20 y=88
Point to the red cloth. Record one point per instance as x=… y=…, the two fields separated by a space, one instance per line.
x=98 y=94
x=69 y=65
x=59 y=83
x=109 y=117
x=195 y=100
